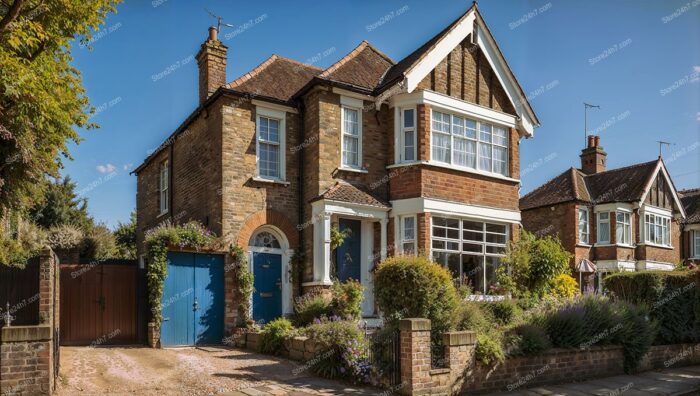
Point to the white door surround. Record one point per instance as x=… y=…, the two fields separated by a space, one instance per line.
x=285 y=252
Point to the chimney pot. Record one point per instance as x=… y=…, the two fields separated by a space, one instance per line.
x=593 y=157
x=597 y=141
x=213 y=34
x=591 y=141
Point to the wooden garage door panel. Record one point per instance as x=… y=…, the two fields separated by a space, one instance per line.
x=119 y=316
x=80 y=311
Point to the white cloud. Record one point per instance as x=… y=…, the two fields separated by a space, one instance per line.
x=107 y=168
x=697 y=116
x=127 y=166
x=696 y=69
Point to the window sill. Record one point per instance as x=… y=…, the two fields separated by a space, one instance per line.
x=270 y=181
x=456 y=168
x=585 y=245
x=161 y=214
x=656 y=246
x=614 y=244
x=356 y=170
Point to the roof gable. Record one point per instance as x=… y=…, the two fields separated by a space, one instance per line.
x=661 y=170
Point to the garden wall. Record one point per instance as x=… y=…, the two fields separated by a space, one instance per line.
x=29 y=354
x=464 y=375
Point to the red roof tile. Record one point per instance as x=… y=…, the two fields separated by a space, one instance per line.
x=363 y=67
x=343 y=191
x=278 y=77
x=691 y=202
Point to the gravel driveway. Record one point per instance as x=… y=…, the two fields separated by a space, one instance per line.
x=187 y=371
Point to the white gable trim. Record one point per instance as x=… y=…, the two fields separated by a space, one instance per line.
x=660 y=167
x=439 y=52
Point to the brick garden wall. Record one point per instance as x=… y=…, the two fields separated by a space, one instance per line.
x=27 y=359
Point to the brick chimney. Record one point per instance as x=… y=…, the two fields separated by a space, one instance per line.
x=593 y=157
x=211 y=60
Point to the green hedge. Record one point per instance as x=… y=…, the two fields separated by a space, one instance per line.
x=673 y=299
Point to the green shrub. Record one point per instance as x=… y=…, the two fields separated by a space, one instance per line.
x=488 y=350
x=273 y=336
x=342 y=350
x=415 y=287
x=347 y=299
x=673 y=298
x=532 y=340
x=504 y=311
x=309 y=307
x=471 y=316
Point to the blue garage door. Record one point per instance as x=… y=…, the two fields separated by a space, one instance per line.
x=193 y=300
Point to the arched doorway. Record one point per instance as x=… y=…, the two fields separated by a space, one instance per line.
x=269 y=256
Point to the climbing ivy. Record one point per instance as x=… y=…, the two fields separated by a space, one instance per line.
x=159 y=241
x=244 y=282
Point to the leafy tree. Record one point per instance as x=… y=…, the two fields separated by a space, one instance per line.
x=125 y=235
x=532 y=265
x=62 y=206
x=41 y=95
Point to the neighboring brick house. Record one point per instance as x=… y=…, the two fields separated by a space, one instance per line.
x=416 y=156
x=625 y=219
x=690 y=237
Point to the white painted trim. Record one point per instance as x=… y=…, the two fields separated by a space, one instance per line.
x=656 y=210
x=457 y=168
x=351 y=102
x=348 y=209
x=615 y=266
x=274 y=106
x=351 y=95
x=613 y=207
x=439 y=52
x=648 y=265
x=281 y=116
x=286 y=255
x=400 y=135
x=428 y=205
x=660 y=167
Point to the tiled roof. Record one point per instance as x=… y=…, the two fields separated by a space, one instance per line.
x=616 y=185
x=278 y=77
x=691 y=202
x=343 y=191
x=363 y=67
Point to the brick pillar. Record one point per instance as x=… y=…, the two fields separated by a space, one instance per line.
x=415 y=356
x=423 y=128
x=47 y=283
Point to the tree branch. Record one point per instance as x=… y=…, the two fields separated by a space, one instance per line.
x=11 y=15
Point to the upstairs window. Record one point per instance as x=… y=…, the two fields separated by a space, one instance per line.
x=269 y=164
x=470 y=144
x=657 y=229
x=351 y=137
x=695 y=239
x=408 y=135
x=623 y=228
x=164 y=187
x=408 y=235
x=583 y=226
x=604 y=227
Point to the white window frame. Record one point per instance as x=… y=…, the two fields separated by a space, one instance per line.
x=602 y=222
x=695 y=243
x=164 y=186
x=356 y=105
x=588 y=227
x=660 y=222
x=477 y=143
x=627 y=228
x=402 y=234
x=402 y=135
x=461 y=241
x=280 y=117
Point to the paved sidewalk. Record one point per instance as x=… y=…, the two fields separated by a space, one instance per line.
x=675 y=381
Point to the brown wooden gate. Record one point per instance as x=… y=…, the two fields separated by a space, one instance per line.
x=99 y=304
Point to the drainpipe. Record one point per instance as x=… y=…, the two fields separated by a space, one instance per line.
x=300 y=187
x=171 y=187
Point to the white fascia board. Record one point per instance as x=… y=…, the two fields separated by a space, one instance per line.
x=348 y=209
x=351 y=94
x=273 y=106
x=268 y=111
x=439 y=52
x=488 y=46
x=454 y=105
x=655 y=210
x=613 y=207
x=428 y=205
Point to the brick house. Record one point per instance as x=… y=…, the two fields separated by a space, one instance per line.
x=690 y=237
x=420 y=155
x=625 y=219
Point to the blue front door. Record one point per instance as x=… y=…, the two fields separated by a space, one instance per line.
x=193 y=300
x=267 y=299
x=347 y=256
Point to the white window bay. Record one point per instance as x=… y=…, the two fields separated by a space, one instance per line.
x=657 y=229
x=696 y=243
x=623 y=228
x=408 y=136
x=408 y=234
x=467 y=143
x=583 y=230
x=604 y=227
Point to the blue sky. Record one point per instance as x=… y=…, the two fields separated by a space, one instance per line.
x=640 y=61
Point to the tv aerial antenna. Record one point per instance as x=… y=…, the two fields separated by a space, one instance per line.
x=219 y=21
x=587 y=106
x=661 y=144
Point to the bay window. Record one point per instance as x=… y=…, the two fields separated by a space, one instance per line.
x=604 y=227
x=268 y=148
x=408 y=235
x=471 y=250
x=623 y=228
x=470 y=144
x=583 y=226
x=695 y=243
x=351 y=137
x=657 y=229
x=408 y=136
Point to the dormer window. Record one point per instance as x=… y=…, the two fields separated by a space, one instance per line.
x=469 y=144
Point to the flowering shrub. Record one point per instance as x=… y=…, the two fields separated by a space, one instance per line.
x=347 y=299
x=343 y=351
x=565 y=286
x=310 y=306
